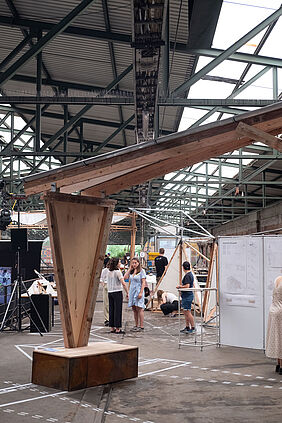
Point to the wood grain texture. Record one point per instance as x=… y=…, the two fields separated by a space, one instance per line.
x=132 y=165
x=80 y=368
x=79 y=228
x=260 y=136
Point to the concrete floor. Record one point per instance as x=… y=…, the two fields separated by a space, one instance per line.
x=175 y=385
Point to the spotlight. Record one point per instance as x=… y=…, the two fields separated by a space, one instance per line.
x=5 y=219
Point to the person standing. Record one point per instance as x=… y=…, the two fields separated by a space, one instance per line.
x=137 y=281
x=107 y=259
x=187 y=298
x=104 y=282
x=161 y=264
x=115 y=285
x=274 y=328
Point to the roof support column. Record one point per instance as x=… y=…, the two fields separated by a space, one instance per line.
x=275 y=82
x=38 y=93
x=166 y=49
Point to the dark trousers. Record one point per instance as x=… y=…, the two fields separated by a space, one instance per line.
x=169 y=307
x=115 y=309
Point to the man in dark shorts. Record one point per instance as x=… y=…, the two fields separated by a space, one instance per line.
x=161 y=264
x=187 y=298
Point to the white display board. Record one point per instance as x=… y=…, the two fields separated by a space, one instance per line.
x=241 y=291
x=272 y=269
x=248 y=267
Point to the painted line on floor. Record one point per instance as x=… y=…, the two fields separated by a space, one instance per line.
x=162 y=370
x=15 y=386
x=223 y=382
x=32 y=399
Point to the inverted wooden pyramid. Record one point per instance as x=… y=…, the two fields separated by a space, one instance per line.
x=79 y=227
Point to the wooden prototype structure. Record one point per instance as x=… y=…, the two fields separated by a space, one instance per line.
x=174 y=274
x=110 y=173
x=79 y=228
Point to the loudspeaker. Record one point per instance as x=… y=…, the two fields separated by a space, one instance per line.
x=42 y=303
x=19 y=240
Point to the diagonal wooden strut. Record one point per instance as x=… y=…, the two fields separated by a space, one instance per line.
x=257 y=134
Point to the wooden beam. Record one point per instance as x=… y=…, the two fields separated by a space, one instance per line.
x=160 y=168
x=258 y=135
x=176 y=150
x=133 y=235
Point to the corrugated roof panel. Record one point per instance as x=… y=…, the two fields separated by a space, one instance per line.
x=87 y=61
x=179 y=21
x=55 y=11
x=120 y=16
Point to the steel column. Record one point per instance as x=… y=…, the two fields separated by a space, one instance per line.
x=38 y=93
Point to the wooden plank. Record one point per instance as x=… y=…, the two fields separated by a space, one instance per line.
x=259 y=135
x=166 y=150
x=96 y=348
x=133 y=235
x=97 y=266
x=208 y=281
x=59 y=273
x=79 y=228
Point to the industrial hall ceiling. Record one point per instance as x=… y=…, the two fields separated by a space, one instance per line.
x=83 y=78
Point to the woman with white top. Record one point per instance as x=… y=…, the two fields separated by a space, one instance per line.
x=168 y=302
x=115 y=284
x=274 y=328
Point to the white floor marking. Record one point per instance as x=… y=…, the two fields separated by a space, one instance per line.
x=33 y=399
x=14 y=387
x=162 y=370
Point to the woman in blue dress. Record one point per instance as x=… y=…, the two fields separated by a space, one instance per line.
x=137 y=281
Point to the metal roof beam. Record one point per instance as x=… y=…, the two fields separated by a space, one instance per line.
x=85 y=109
x=116 y=132
x=113 y=62
x=126 y=39
x=21 y=132
x=232 y=95
x=87 y=120
x=44 y=41
x=94 y=100
x=224 y=181
x=16 y=50
x=223 y=56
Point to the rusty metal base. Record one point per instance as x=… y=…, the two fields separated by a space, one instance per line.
x=78 y=368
